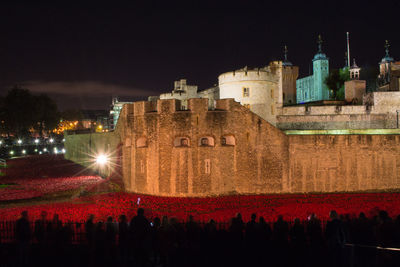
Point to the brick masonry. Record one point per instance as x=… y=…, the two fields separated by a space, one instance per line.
x=257 y=158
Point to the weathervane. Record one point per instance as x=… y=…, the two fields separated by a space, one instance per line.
x=285 y=50
x=387 y=45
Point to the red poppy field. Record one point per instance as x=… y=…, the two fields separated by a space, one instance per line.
x=203 y=209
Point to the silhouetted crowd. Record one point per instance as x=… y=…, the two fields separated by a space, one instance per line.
x=342 y=241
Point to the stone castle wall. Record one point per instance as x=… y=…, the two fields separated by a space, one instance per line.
x=162 y=153
x=255 y=161
x=379 y=112
x=331 y=163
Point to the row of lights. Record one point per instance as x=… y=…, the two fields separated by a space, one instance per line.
x=36 y=141
x=55 y=151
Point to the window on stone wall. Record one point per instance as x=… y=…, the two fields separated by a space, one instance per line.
x=272 y=110
x=228 y=140
x=207 y=166
x=141 y=142
x=184 y=142
x=246 y=91
x=181 y=142
x=206 y=141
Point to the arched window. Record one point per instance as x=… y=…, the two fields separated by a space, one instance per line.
x=181 y=141
x=141 y=142
x=206 y=141
x=228 y=140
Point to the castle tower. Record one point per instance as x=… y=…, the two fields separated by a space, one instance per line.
x=354 y=71
x=290 y=74
x=255 y=88
x=320 y=72
x=384 y=65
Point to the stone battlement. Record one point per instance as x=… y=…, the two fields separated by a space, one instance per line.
x=196 y=105
x=259 y=74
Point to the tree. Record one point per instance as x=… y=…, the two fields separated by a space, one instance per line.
x=21 y=111
x=335 y=81
x=18 y=111
x=46 y=114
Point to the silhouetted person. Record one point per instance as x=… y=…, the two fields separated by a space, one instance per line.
x=280 y=239
x=335 y=238
x=251 y=240
x=100 y=243
x=281 y=231
x=251 y=231
x=23 y=237
x=90 y=238
x=111 y=235
x=41 y=228
x=298 y=242
x=140 y=232
x=166 y=236
x=123 y=239
x=236 y=229
x=385 y=230
x=90 y=229
x=193 y=237
x=155 y=240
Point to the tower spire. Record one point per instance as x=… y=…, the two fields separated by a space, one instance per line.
x=285 y=51
x=387 y=45
x=319 y=42
x=286 y=62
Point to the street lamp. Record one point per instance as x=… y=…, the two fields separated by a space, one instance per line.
x=101 y=159
x=19 y=141
x=36 y=141
x=51 y=140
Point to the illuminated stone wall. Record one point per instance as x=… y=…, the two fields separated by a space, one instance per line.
x=256 y=161
x=334 y=163
x=230 y=150
x=379 y=113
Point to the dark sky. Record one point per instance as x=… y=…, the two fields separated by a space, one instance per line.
x=82 y=54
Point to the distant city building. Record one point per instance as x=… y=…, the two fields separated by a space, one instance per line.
x=115 y=109
x=313 y=88
x=96 y=120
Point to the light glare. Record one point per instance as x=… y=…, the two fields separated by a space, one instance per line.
x=101 y=159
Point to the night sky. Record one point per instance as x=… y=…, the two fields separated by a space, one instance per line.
x=82 y=54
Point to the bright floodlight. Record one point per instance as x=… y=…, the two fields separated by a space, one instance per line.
x=101 y=159
x=19 y=141
x=36 y=141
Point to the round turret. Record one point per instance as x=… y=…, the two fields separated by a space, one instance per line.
x=253 y=88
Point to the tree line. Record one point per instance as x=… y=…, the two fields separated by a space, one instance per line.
x=22 y=113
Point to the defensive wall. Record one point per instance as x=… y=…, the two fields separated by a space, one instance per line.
x=379 y=111
x=164 y=150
